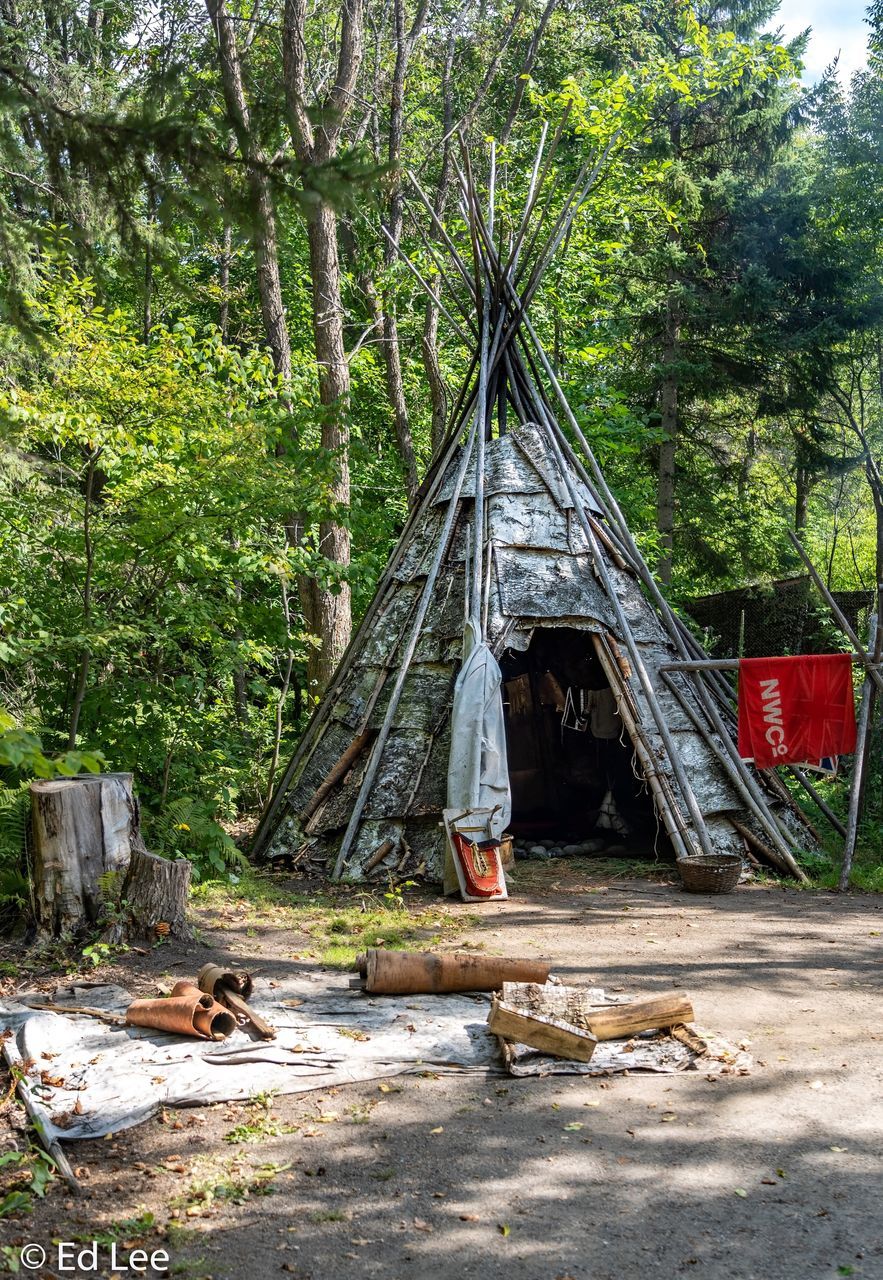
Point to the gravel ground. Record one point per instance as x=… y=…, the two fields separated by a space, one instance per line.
x=773 y=1176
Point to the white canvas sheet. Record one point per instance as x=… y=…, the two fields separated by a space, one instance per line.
x=120 y=1076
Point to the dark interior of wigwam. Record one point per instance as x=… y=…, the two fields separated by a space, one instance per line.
x=576 y=787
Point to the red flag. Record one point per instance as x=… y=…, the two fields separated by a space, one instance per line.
x=795 y=709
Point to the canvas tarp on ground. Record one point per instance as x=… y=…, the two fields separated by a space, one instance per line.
x=111 y=1078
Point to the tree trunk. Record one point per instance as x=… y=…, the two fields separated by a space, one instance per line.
x=802 y=483
x=155 y=891
x=89 y=556
x=316 y=137
x=224 y=282
x=329 y=616
x=264 y=233
x=83 y=828
x=432 y=366
x=395 y=389
x=429 y=345
x=668 y=396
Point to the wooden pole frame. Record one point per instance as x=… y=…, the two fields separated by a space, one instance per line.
x=856 y=790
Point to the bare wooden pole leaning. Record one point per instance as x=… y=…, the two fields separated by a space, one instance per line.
x=823 y=807
x=839 y=616
x=858 y=773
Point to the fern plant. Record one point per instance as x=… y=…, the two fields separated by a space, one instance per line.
x=186 y=828
x=15 y=815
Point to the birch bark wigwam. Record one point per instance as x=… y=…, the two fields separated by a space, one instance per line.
x=562 y=563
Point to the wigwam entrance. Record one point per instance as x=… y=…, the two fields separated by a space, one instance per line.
x=575 y=783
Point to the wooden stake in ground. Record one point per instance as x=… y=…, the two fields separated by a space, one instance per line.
x=857 y=788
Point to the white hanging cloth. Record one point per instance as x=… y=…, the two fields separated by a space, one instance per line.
x=478 y=774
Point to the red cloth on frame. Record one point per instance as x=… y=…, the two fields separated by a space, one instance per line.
x=797 y=709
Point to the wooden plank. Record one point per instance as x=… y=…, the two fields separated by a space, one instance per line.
x=541 y=1031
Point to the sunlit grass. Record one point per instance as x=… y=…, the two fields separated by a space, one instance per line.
x=338 y=921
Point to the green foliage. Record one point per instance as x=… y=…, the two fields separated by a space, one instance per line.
x=23 y=1175
x=22 y=753
x=98 y=953
x=185 y=828
x=15 y=811
x=153 y=489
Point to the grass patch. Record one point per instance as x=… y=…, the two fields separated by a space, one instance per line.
x=338 y=921
x=824 y=871
x=260 y=1124
x=341 y=935
x=235 y=1187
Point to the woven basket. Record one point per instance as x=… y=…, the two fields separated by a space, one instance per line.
x=710 y=873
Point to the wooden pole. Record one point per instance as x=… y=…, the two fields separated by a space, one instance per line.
x=745 y=786
x=474 y=595
x=703 y=664
x=839 y=615
x=338 y=771
x=666 y=805
x=856 y=790
x=19 y=1069
x=817 y=799
x=756 y=843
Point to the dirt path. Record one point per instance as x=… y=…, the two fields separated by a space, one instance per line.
x=489 y=1177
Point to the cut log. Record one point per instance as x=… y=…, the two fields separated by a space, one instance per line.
x=83 y=828
x=541 y=1031
x=155 y=891
x=424 y=972
x=613 y=1022
x=621 y=1021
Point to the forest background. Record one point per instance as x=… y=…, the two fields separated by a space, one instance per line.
x=220 y=384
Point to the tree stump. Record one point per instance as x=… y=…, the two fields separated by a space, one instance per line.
x=155 y=895
x=83 y=828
